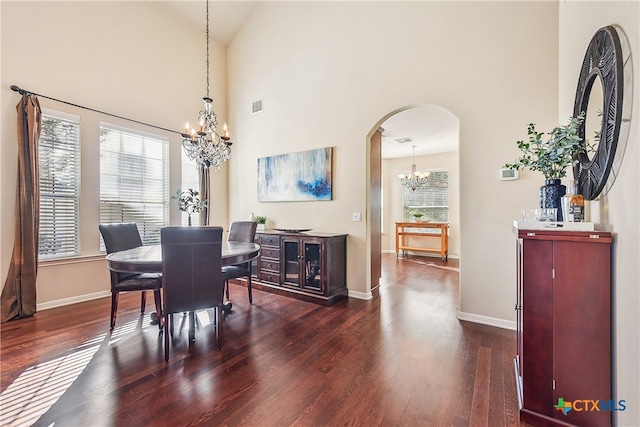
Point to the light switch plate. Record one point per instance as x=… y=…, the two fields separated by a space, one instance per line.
x=357 y=217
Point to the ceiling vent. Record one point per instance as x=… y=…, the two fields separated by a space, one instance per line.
x=404 y=140
x=256 y=106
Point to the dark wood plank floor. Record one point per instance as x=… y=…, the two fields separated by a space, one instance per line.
x=402 y=359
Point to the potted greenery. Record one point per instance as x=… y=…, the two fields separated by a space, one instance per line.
x=417 y=216
x=552 y=158
x=189 y=202
x=261 y=221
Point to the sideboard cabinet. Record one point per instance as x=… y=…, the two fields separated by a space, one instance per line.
x=307 y=266
x=563 y=326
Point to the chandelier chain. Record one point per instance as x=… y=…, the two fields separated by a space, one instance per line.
x=205 y=146
x=207 y=48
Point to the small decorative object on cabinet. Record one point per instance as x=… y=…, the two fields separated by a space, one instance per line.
x=262 y=221
x=307 y=266
x=564 y=327
x=551 y=158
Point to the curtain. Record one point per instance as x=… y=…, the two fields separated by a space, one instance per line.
x=19 y=293
x=203 y=178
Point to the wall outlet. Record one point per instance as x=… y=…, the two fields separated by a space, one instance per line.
x=357 y=217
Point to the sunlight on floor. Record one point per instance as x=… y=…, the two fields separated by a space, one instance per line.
x=39 y=387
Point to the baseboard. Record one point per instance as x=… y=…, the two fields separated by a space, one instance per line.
x=360 y=295
x=486 y=320
x=72 y=300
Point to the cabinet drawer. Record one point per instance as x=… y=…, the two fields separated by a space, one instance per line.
x=270 y=240
x=267 y=252
x=270 y=265
x=270 y=277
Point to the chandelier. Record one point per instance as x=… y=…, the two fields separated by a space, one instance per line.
x=204 y=145
x=414 y=179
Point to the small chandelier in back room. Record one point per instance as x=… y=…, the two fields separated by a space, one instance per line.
x=414 y=179
x=204 y=145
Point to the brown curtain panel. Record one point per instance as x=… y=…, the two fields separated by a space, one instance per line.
x=19 y=293
x=204 y=193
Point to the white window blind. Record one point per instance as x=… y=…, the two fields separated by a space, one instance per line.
x=431 y=200
x=59 y=164
x=134 y=180
x=189 y=179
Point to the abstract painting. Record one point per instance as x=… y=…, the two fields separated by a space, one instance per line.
x=294 y=177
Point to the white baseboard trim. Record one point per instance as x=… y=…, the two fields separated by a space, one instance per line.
x=72 y=300
x=486 y=320
x=360 y=295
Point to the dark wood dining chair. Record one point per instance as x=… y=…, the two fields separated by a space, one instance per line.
x=119 y=237
x=192 y=276
x=240 y=231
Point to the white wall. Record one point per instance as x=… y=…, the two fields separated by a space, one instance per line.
x=392 y=198
x=621 y=206
x=126 y=58
x=330 y=72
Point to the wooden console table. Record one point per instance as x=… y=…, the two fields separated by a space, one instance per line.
x=402 y=234
x=309 y=266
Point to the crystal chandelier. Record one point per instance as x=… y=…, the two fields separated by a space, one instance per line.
x=205 y=146
x=414 y=179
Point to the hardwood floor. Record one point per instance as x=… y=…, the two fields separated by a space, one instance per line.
x=402 y=359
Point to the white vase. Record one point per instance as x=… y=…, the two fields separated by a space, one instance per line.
x=252 y=217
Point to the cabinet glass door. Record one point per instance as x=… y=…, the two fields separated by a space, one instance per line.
x=312 y=266
x=291 y=262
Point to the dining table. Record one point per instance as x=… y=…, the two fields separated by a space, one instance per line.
x=148 y=259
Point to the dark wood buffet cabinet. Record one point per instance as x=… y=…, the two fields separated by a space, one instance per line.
x=564 y=327
x=307 y=266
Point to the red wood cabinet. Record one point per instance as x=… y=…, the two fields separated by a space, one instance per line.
x=564 y=326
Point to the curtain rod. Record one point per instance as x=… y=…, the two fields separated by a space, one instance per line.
x=28 y=92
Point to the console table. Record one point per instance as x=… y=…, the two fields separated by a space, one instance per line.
x=407 y=229
x=310 y=266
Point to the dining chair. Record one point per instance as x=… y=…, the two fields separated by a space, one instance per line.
x=191 y=276
x=119 y=237
x=240 y=231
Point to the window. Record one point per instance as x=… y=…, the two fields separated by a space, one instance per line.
x=134 y=180
x=190 y=179
x=59 y=164
x=432 y=200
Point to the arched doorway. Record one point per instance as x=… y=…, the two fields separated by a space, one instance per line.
x=435 y=133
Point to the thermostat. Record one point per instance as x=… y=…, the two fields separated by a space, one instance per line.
x=508 y=174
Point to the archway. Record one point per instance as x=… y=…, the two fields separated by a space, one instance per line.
x=434 y=131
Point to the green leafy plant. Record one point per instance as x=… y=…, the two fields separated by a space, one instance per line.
x=417 y=215
x=554 y=156
x=261 y=219
x=189 y=202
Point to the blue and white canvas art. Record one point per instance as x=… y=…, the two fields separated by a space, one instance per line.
x=301 y=176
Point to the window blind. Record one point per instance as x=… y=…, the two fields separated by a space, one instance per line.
x=134 y=180
x=59 y=175
x=431 y=200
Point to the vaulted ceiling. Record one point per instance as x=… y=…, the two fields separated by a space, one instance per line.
x=432 y=129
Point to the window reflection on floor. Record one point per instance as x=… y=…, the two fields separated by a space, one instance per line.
x=31 y=395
